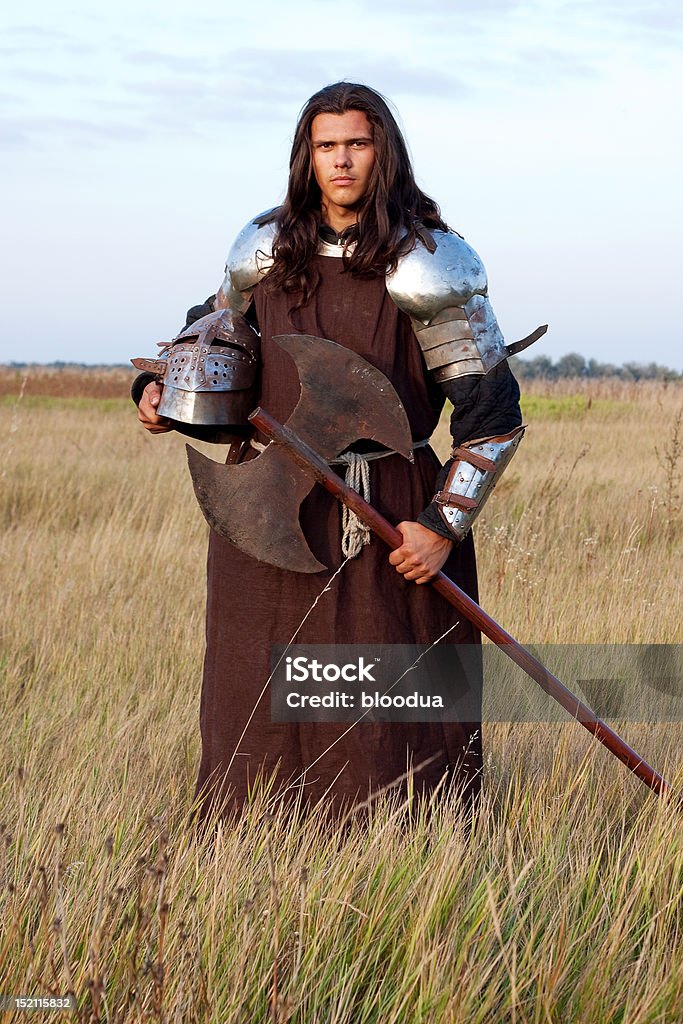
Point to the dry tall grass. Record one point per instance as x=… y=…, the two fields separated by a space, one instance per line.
x=561 y=902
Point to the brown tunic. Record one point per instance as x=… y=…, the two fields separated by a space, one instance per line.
x=252 y=605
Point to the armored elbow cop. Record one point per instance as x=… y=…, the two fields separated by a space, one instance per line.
x=476 y=469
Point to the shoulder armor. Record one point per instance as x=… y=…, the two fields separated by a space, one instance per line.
x=426 y=282
x=249 y=260
x=444 y=291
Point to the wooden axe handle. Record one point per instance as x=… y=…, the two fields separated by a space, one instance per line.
x=309 y=460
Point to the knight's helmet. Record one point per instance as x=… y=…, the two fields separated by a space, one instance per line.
x=209 y=375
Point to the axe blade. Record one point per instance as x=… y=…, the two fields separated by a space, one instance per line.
x=255 y=504
x=343 y=398
x=236 y=505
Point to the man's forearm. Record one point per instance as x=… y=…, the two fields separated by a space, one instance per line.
x=483 y=406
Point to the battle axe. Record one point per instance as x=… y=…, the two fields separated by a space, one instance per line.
x=255 y=505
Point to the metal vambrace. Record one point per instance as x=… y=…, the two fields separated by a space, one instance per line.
x=475 y=472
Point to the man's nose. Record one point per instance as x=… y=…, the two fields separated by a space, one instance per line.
x=342 y=157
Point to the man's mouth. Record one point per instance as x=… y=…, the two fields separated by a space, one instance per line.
x=343 y=180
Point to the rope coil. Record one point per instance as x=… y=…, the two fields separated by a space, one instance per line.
x=355 y=534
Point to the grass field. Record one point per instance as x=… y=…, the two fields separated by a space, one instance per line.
x=560 y=902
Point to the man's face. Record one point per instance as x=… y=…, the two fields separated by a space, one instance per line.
x=343 y=157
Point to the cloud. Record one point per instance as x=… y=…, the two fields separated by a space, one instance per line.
x=194 y=104
x=172 y=89
x=36 y=131
x=652 y=15
x=655 y=15
x=459 y=11
x=36 y=32
x=279 y=77
x=21 y=50
x=41 y=76
x=269 y=87
x=14 y=134
x=457 y=52
x=539 y=63
x=26 y=41
x=173 y=61
x=297 y=69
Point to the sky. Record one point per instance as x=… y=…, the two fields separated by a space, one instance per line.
x=139 y=137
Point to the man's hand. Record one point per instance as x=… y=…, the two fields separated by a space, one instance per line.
x=422 y=553
x=147 y=413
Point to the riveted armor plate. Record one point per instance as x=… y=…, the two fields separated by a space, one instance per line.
x=208 y=371
x=475 y=472
x=444 y=291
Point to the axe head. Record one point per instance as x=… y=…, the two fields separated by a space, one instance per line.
x=255 y=505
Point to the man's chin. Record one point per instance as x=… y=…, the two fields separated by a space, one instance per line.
x=348 y=202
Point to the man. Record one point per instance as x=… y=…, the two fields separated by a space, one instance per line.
x=337 y=260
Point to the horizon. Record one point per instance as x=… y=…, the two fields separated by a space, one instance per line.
x=602 y=367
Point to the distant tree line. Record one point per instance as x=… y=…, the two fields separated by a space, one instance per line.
x=574 y=365
x=540 y=368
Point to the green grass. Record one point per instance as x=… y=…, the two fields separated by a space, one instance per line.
x=572 y=406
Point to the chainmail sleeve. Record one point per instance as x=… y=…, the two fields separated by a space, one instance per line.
x=483 y=406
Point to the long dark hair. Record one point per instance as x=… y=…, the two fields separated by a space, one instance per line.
x=388 y=216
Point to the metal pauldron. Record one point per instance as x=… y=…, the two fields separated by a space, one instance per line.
x=443 y=288
x=249 y=260
x=475 y=472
